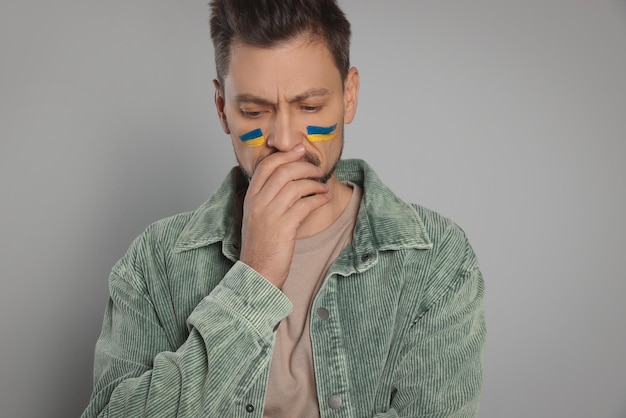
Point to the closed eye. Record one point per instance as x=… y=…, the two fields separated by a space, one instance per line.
x=251 y=114
x=310 y=109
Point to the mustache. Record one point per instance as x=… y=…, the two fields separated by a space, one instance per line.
x=308 y=157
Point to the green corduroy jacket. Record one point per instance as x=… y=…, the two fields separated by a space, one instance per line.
x=189 y=329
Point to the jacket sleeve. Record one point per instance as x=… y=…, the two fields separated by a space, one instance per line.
x=441 y=367
x=227 y=350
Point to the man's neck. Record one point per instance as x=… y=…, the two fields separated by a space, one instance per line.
x=323 y=217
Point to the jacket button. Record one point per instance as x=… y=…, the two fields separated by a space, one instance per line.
x=250 y=408
x=334 y=402
x=365 y=257
x=323 y=313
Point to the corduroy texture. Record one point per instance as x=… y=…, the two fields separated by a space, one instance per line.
x=189 y=330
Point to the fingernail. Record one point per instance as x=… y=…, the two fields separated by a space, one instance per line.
x=298 y=148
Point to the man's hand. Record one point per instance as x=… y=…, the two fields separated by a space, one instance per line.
x=282 y=193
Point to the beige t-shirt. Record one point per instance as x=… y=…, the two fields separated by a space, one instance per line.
x=291 y=388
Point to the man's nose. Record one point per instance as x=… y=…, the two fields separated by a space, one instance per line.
x=284 y=135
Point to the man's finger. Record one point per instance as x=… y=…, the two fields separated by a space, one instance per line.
x=269 y=164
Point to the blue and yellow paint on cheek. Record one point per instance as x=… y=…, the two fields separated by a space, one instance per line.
x=321 y=133
x=253 y=138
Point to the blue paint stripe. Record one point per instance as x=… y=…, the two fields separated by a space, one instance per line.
x=320 y=130
x=251 y=135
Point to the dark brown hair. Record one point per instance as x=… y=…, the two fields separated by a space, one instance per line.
x=265 y=23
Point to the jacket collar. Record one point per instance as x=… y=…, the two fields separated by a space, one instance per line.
x=384 y=221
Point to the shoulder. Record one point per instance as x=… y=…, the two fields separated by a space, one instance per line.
x=449 y=241
x=152 y=244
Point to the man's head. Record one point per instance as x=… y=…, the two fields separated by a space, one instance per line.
x=283 y=78
x=266 y=23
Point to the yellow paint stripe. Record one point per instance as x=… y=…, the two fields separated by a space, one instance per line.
x=321 y=137
x=256 y=142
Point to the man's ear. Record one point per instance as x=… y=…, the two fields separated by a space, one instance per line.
x=351 y=94
x=219 y=105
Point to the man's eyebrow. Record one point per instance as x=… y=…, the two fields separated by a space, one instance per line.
x=315 y=92
x=250 y=98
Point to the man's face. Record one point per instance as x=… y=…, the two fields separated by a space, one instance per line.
x=285 y=92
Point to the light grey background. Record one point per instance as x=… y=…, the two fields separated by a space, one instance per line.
x=507 y=116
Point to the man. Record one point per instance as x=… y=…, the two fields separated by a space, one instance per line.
x=304 y=287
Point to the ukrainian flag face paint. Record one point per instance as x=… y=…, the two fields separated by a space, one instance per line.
x=321 y=133
x=253 y=138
